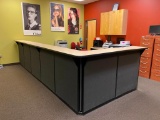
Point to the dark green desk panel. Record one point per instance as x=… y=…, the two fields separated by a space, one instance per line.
x=127 y=73
x=21 y=54
x=66 y=80
x=99 y=80
x=47 y=68
x=27 y=57
x=35 y=62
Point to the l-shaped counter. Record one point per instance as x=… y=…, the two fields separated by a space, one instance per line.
x=84 y=80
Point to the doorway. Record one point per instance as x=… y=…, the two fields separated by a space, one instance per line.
x=89 y=33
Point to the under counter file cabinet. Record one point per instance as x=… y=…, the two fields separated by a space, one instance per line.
x=155 y=70
x=83 y=80
x=150 y=58
x=146 y=57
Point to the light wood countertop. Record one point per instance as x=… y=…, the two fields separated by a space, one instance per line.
x=78 y=53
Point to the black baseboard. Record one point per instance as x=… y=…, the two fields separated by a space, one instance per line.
x=11 y=64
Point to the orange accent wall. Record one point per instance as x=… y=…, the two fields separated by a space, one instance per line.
x=141 y=14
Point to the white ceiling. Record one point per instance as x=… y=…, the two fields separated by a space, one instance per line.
x=81 y=2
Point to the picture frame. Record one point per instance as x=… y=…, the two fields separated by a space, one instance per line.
x=115 y=6
x=57 y=8
x=73 y=26
x=31 y=12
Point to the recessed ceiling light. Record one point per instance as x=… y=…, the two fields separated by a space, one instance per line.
x=78 y=0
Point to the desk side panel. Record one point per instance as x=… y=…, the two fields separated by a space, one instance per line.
x=47 y=68
x=99 y=81
x=35 y=62
x=127 y=76
x=66 y=80
x=27 y=57
x=21 y=54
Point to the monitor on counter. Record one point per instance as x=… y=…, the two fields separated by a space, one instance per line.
x=154 y=30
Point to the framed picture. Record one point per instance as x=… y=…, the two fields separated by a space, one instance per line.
x=57 y=17
x=115 y=6
x=73 y=20
x=31 y=19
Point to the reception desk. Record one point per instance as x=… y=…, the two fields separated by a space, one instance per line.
x=83 y=80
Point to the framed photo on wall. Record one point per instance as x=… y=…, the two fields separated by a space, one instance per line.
x=73 y=21
x=115 y=6
x=57 y=17
x=31 y=19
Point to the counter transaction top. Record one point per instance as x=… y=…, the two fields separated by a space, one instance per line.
x=78 y=53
